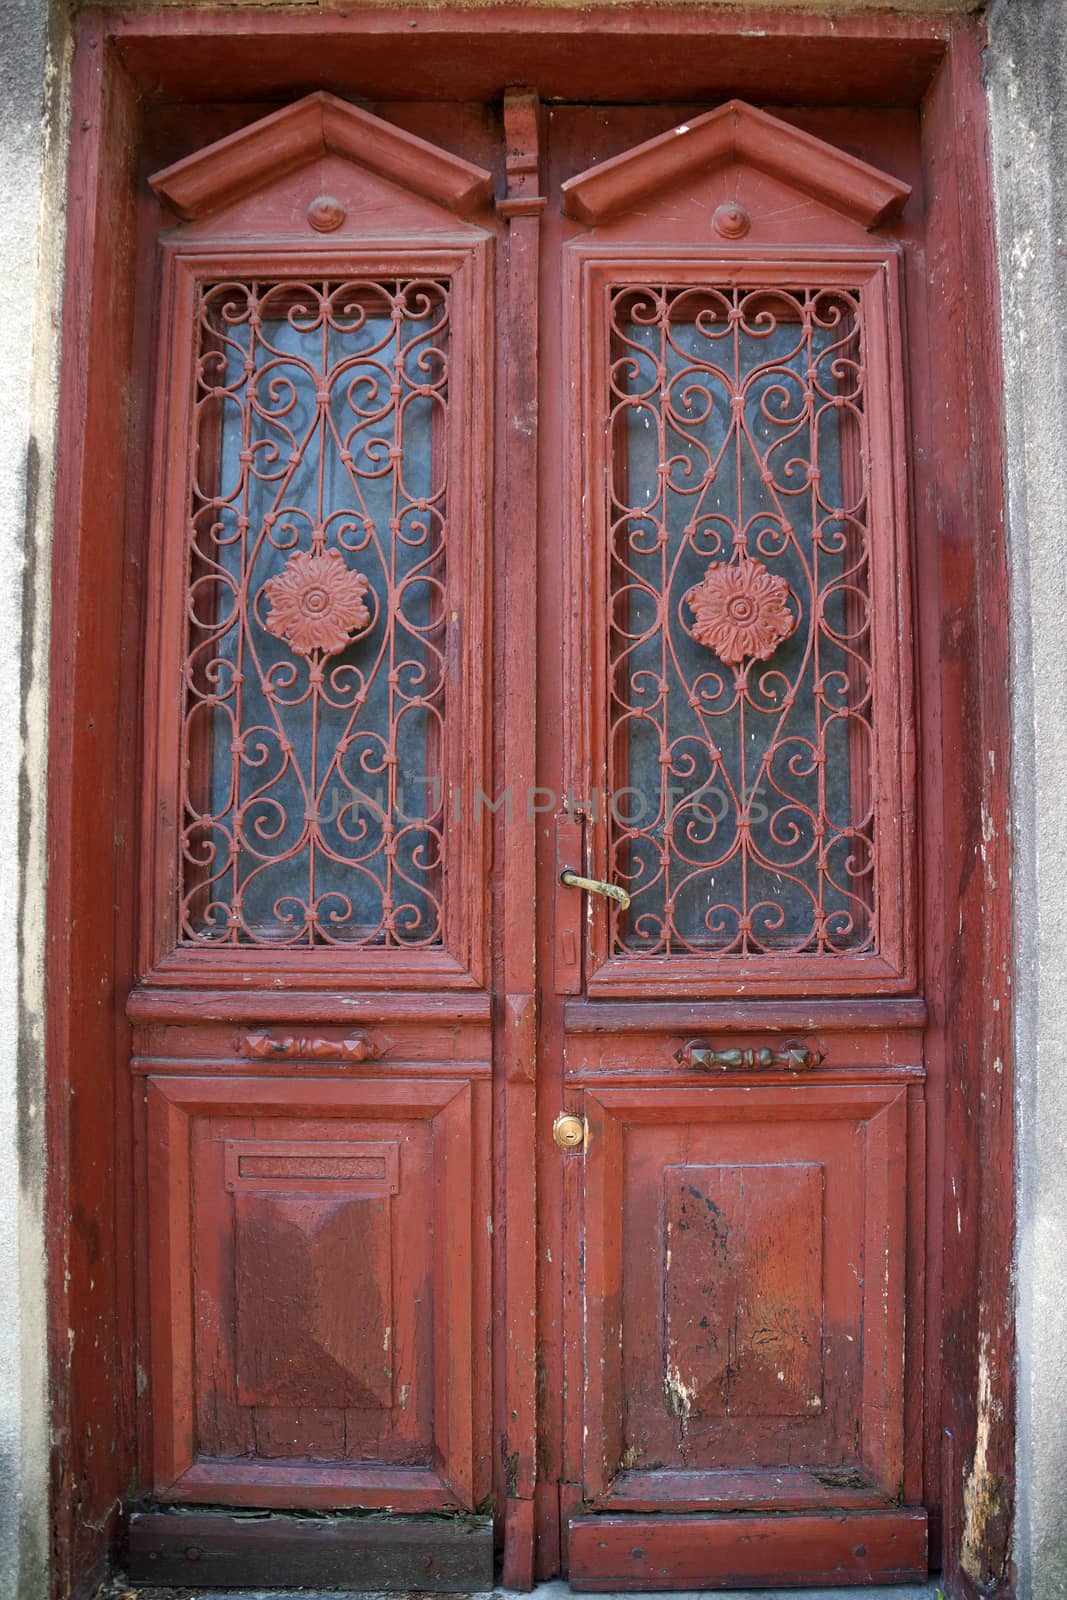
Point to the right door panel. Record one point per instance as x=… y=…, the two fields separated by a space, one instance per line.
x=743 y=1230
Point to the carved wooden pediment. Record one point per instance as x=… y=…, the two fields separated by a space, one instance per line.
x=735 y=134
x=317 y=127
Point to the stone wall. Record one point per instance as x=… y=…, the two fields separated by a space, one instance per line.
x=32 y=160
x=1026 y=68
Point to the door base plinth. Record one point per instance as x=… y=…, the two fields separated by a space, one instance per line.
x=207 y=1550
x=747 y=1550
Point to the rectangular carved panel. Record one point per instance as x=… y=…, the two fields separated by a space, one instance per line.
x=743 y=1278
x=260 y=1164
x=745 y=1253
x=315 y=1285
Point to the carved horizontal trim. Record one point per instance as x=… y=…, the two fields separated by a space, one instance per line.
x=294 y=1006
x=280 y=143
x=769 y=1016
x=735 y=132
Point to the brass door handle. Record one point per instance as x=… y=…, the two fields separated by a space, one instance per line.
x=699 y=1054
x=610 y=891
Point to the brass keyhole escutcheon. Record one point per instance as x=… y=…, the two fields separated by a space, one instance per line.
x=568 y=1131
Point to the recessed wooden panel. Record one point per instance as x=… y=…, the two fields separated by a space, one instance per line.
x=313 y=1292
x=743 y=1279
x=744 y=1295
x=313 y=1296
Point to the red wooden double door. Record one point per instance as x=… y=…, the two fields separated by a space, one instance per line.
x=529 y=505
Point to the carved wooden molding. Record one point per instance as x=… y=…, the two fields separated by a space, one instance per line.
x=795 y=1056
x=735 y=132
x=271 y=1047
x=286 y=140
x=522 y=139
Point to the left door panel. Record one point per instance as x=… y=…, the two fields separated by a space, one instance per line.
x=313 y=1047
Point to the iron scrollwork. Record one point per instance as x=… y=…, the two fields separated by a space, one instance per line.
x=740 y=655
x=314 y=675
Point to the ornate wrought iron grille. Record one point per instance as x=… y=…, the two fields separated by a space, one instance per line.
x=740 y=751
x=314 y=674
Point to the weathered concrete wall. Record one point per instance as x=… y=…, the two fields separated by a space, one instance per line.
x=31 y=164
x=1027 y=83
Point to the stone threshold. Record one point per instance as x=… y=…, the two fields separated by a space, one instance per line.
x=556 y=1590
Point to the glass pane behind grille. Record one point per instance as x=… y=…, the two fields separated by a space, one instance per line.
x=741 y=748
x=314 y=676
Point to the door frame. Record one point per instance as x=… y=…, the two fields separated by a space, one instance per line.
x=98 y=581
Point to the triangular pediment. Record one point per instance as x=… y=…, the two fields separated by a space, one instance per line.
x=735 y=134
x=317 y=126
